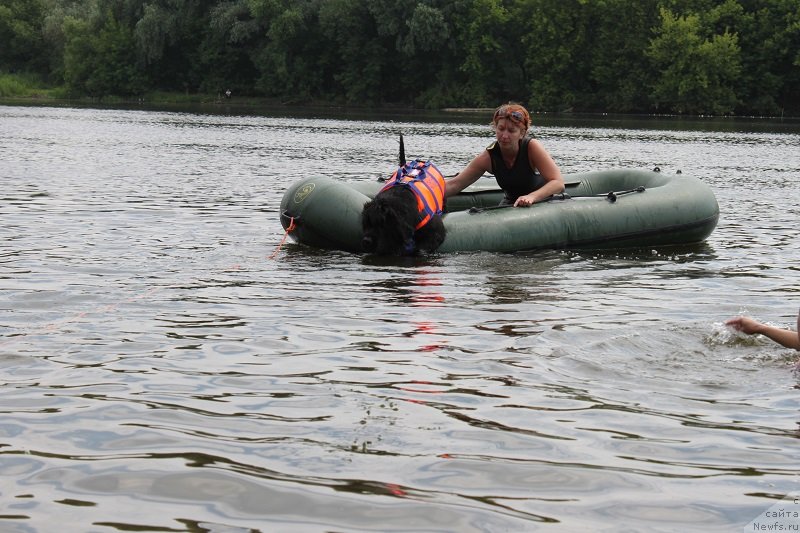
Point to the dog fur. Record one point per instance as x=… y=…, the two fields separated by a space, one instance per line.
x=388 y=222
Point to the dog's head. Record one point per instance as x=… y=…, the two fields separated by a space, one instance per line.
x=388 y=226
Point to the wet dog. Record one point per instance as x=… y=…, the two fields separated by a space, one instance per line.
x=405 y=217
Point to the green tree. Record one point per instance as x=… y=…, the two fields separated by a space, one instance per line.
x=360 y=52
x=771 y=66
x=53 y=34
x=555 y=50
x=290 y=53
x=487 y=73
x=103 y=63
x=171 y=42
x=427 y=56
x=686 y=56
x=619 y=65
x=225 y=53
x=694 y=74
x=22 y=47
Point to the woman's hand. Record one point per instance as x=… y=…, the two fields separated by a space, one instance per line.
x=525 y=201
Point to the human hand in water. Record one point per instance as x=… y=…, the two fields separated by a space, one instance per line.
x=784 y=337
x=744 y=324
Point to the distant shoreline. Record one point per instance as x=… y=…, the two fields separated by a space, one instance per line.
x=158 y=99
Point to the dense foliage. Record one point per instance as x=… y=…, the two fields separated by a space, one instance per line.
x=675 y=56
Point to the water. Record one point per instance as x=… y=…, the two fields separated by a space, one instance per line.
x=160 y=372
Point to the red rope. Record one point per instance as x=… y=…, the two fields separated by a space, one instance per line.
x=291 y=228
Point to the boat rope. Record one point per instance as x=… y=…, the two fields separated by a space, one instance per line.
x=289 y=229
x=559 y=196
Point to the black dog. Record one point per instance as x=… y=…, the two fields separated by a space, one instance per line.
x=405 y=217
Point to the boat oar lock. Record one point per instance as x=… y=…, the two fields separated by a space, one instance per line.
x=612 y=196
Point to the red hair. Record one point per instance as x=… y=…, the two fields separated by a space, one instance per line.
x=513 y=112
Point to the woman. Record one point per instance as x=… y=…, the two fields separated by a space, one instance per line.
x=523 y=168
x=784 y=337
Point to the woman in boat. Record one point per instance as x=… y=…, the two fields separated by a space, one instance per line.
x=784 y=337
x=522 y=166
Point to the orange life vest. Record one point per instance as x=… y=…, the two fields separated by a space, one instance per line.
x=427 y=183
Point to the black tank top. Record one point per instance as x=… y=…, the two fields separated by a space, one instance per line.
x=518 y=180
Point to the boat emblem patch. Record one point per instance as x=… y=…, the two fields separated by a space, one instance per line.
x=303 y=193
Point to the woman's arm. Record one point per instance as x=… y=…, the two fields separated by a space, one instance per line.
x=474 y=170
x=540 y=159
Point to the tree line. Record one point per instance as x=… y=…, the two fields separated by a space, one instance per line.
x=656 y=56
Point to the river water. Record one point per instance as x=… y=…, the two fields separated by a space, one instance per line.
x=166 y=366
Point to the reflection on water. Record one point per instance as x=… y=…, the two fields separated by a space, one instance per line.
x=161 y=372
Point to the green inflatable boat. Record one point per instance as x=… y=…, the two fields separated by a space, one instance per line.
x=602 y=209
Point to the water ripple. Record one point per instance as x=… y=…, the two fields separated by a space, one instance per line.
x=154 y=354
